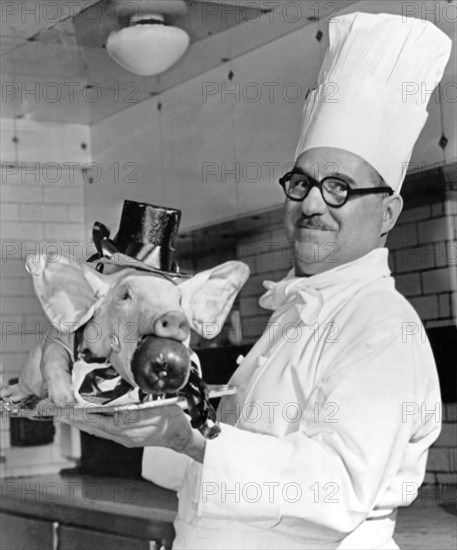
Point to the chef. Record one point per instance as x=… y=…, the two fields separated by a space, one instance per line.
x=338 y=402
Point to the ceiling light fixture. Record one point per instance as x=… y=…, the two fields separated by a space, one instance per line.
x=149 y=45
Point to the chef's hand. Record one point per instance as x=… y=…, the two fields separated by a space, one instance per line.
x=164 y=427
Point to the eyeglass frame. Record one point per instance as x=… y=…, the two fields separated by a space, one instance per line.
x=316 y=183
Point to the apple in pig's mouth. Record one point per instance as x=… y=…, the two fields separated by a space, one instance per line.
x=160 y=365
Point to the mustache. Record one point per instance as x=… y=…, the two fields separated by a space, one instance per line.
x=313 y=222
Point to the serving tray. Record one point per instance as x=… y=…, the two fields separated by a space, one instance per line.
x=48 y=409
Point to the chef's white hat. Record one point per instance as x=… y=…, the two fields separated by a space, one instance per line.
x=363 y=101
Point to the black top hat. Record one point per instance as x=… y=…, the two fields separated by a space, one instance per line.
x=145 y=239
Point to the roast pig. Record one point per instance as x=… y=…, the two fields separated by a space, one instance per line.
x=138 y=321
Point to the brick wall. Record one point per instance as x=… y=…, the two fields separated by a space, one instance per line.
x=265 y=251
x=423 y=249
x=442 y=459
x=42 y=188
x=424 y=262
x=268 y=255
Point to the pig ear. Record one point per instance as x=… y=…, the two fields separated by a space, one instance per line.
x=62 y=290
x=209 y=296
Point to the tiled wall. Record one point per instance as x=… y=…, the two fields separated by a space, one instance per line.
x=41 y=210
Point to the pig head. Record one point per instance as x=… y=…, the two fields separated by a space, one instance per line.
x=139 y=321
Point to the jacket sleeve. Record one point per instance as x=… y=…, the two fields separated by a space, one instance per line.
x=164 y=467
x=348 y=451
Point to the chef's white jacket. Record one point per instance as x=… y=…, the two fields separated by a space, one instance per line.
x=337 y=405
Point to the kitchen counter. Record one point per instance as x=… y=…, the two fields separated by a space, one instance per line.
x=79 y=511
x=84 y=512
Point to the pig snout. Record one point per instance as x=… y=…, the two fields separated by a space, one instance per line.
x=172 y=325
x=160 y=365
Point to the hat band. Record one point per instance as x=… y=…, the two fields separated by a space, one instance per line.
x=108 y=251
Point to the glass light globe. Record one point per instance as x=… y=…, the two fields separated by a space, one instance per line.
x=148 y=49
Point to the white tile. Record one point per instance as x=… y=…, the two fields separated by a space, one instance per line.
x=267 y=130
x=198 y=154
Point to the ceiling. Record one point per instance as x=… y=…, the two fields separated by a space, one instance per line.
x=55 y=67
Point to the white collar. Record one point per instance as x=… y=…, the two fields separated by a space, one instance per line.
x=307 y=291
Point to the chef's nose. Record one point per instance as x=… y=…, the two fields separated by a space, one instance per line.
x=172 y=324
x=313 y=203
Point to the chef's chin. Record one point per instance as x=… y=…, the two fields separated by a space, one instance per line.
x=308 y=258
x=306 y=251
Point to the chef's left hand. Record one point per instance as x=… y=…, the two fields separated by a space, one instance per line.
x=163 y=427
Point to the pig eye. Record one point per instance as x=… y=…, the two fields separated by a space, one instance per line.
x=125 y=295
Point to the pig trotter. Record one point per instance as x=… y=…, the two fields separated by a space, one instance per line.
x=210 y=432
x=202 y=413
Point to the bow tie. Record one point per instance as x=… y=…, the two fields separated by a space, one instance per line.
x=307 y=300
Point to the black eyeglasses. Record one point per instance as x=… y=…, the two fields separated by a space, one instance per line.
x=335 y=191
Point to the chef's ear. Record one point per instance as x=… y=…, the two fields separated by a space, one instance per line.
x=391 y=210
x=208 y=297
x=62 y=289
